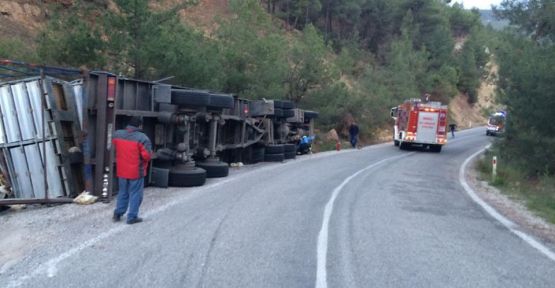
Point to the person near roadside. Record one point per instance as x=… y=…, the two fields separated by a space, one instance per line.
x=133 y=151
x=353 y=134
x=452 y=128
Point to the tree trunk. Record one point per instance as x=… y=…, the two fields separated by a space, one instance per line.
x=327 y=29
x=288 y=16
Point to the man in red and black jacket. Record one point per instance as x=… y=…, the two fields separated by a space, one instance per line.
x=133 y=151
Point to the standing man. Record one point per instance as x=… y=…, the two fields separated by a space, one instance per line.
x=353 y=134
x=452 y=127
x=133 y=151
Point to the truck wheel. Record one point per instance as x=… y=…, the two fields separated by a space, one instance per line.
x=290 y=155
x=274 y=157
x=165 y=164
x=288 y=148
x=182 y=176
x=283 y=104
x=278 y=113
x=214 y=169
x=435 y=148
x=310 y=114
x=274 y=149
x=288 y=113
x=224 y=101
x=190 y=97
x=404 y=146
x=257 y=154
x=396 y=142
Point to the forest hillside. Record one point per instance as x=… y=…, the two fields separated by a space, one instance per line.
x=348 y=59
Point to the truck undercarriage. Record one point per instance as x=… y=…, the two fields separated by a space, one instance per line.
x=56 y=132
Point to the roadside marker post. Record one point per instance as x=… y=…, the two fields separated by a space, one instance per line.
x=494 y=168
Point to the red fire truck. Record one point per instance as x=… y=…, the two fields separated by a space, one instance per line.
x=419 y=123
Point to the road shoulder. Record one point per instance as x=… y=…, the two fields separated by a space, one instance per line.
x=513 y=209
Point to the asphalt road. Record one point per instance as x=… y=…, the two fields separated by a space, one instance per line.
x=376 y=217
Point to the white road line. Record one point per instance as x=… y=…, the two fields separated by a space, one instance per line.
x=322 y=248
x=491 y=211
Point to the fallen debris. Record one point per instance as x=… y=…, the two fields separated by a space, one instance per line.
x=85 y=198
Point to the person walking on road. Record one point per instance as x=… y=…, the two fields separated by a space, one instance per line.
x=452 y=128
x=133 y=151
x=353 y=134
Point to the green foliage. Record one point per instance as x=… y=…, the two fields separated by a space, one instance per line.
x=15 y=49
x=253 y=53
x=463 y=21
x=308 y=68
x=186 y=54
x=533 y=17
x=405 y=68
x=129 y=41
x=72 y=41
x=332 y=102
x=528 y=90
x=538 y=192
x=357 y=57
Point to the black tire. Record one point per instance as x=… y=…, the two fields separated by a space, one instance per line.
x=274 y=149
x=274 y=157
x=310 y=114
x=278 y=113
x=214 y=169
x=257 y=154
x=404 y=146
x=165 y=164
x=283 y=104
x=223 y=101
x=181 y=176
x=435 y=148
x=290 y=155
x=190 y=97
x=288 y=113
x=288 y=148
x=396 y=142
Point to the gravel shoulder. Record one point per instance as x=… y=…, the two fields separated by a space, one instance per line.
x=513 y=209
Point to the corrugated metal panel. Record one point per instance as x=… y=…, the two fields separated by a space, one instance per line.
x=21 y=133
x=24 y=111
x=9 y=117
x=21 y=174
x=36 y=172
x=53 y=172
x=33 y=90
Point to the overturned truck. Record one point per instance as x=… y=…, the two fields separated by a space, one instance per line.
x=56 y=133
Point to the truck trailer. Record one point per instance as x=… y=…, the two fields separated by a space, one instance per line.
x=56 y=132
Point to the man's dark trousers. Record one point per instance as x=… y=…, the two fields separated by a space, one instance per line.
x=353 y=140
x=130 y=194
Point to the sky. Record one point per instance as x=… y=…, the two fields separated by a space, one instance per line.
x=481 y=4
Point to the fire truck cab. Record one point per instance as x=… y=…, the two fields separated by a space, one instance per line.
x=421 y=124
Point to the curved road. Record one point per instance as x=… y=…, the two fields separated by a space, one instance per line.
x=376 y=217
